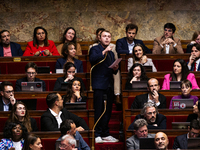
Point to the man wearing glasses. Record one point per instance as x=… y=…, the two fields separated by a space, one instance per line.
x=67 y=143
x=167 y=44
x=7 y=99
x=180 y=141
x=151 y=115
x=31 y=71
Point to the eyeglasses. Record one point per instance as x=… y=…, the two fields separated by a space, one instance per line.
x=63 y=146
x=29 y=73
x=8 y=92
x=194 y=133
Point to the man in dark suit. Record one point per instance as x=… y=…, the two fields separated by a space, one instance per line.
x=101 y=57
x=194 y=60
x=8 y=48
x=126 y=44
x=7 y=99
x=55 y=114
x=161 y=141
x=151 y=115
x=152 y=96
x=180 y=141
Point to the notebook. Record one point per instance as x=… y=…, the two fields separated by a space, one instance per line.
x=75 y=106
x=180 y=125
x=182 y=103
x=147 y=143
x=175 y=85
x=31 y=86
x=139 y=85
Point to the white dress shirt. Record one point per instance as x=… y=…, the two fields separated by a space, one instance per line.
x=57 y=116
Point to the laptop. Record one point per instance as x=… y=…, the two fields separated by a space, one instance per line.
x=139 y=85
x=75 y=106
x=31 y=86
x=194 y=143
x=180 y=125
x=182 y=103
x=43 y=69
x=148 y=68
x=147 y=143
x=175 y=85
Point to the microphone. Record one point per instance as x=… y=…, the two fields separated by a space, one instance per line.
x=105 y=102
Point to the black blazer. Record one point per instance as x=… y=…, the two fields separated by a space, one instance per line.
x=180 y=142
x=1 y=105
x=49 y=122
x=15 y=49
x=141 y=99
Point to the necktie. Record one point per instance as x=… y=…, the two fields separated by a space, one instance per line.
x=195 y=67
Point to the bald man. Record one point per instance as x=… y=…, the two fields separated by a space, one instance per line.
x=161 y=141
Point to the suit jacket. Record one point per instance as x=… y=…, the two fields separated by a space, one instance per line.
x=102 y=76
x=139 y=101
x=49 y=122
x=122 y=46
x=1 y=105
x=180 y=142
x=15 y=49
x=157 y=49
x=133 y=142
x=78 y=63
x=160 y=121
x=18 y=86
x=192 y=67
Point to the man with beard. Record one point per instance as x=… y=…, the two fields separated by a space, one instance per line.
x=193 y=64
x=152 y=96
x=161 y=141
x=55 y=114
x=167 y=44
x=7 y=48
x=126 y=44
x=151 y=115
x=7 y=99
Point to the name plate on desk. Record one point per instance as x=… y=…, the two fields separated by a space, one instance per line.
x=17 y=59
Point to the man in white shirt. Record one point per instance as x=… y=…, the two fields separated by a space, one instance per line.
x=193 y=64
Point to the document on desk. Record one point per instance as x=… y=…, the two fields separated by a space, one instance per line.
x=116 y=62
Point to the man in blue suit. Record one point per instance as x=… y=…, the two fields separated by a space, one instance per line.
x=126 y=44
x=194 y=60
x=101 y=57
x=7 y=48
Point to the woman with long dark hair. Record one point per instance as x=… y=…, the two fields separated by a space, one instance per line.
x=180 y=72
x=40 y=46
x=32 y=142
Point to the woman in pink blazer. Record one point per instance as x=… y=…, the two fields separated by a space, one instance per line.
x=180 y=73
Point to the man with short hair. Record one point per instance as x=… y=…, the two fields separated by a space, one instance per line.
x=101 y=57
x=56 y=114
x=161 y=141
x=194 y=60
x=7 y=99
x=141 y=131
x=68 y=127
x=67 y=143
x=180 y=141
x=7 y=48
x=151 y=115
x=31 y=70
x=167 y=44
x=152 y=96
x=126 y=44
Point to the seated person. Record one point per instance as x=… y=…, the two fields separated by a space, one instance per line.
x=56 y=114
x=186 y=88
x=31 y=70
x=20 y=114
x=140 y=131
x=68 y=127
x=68 y=142
x=69 y=69
x=69 y=36
x=193 y=64
x=13 y=136
x=32 y=142
x=125 y=45
x=196 y=112
x=69 y=52
x=136 y=73
x=167 y=44
x=75 y=92
x=195 y=40
x=40 y=46
x=150 y=113
x=7 y=48
x=7 y=98
x=139 y=56
x=152 y=96
x=180 y=72
x=180 y=141
x=161 y=141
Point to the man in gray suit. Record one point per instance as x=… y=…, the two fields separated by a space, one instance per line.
x=141 y=131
